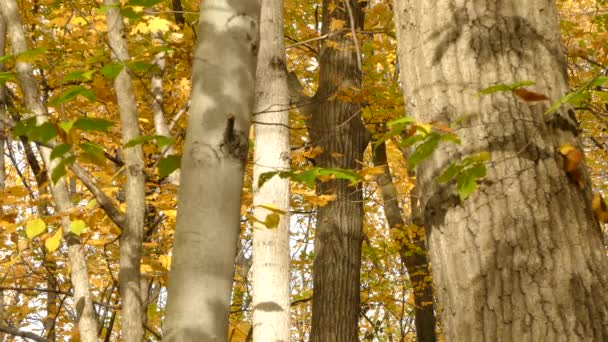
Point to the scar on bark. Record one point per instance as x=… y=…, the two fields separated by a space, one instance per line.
x=235 y=142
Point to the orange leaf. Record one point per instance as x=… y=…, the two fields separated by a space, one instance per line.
x=529 y=96
x=573 y=157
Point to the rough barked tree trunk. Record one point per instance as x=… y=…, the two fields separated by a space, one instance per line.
x=87 y=324
x=412 y=250
x=215 y=152
x=521 y=259
x=270 y=282
x=131 y=238
x=335 y=125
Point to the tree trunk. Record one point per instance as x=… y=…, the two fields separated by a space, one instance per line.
x=215 y=152
x=132 y=236
x=270 y=282
x=412 y=251
x=87 y=325
x=337 y=128
x=522 y=258
x=160 y=122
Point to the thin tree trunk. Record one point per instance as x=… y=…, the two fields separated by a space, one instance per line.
x=160 y=122
x=132 y=235
x=412 y=251
x=3 y=142
x=270 y=283
x=522 y=258
x=337 y=128
x=87 y=324
x=215 y=153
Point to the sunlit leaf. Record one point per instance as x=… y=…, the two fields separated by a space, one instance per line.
x=34 y=228
x=77 y=227
x=52 y=242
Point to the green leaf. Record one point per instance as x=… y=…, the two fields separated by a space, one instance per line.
x=265 y=177
x=144 y=3
x=67 y=125
x=43 y=133
x=409 y=141
x=93 y=124
x=161 y=141
x=346 y=174
x=406 y=120
x=72 y=93
x=111 y=71
x=167 y=165
x=6 y=76
x=23 y=127
x=272 y=220
x=93 y=153
x=60 y=150
x=505 y=87
x=77 y=227
x=129 y=13
x=424 y=151
x=59 y=170
x=80 y=75
x=141 y=67
x=103 y=9
x=451 y=138
x=31 y=54
x=449 y=173
x=467 y=180
x=34 y=228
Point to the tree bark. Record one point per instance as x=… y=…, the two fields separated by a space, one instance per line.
x=412 y=251
x=337 y=128
x=215 y=152
x=132 y=236
x=271 y=302
x=87 y=325
x=522 y=258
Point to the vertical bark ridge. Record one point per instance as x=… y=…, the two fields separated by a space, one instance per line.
x=521 y=259
x=337 y=128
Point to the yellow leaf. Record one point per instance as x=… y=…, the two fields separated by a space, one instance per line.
x=337 y=24
x=272 y=208
x=145 y=268
x=77 y=227
x=34 y=228
x=22 y=245
x=53 y=242
x=165 y=261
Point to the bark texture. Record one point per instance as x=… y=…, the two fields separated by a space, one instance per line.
x=335 y=125
x=271 y=302
x=522 y=258
x=87 y=324
x=215 y=152
x=412 y=250
x=132 y=235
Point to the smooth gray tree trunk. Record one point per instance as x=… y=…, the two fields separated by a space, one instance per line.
x=213 y=162
x=131 y=238
x=270 y=268
x=522 y=258
x=87 y=324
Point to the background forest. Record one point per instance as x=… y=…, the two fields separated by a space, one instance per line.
x=94 y=119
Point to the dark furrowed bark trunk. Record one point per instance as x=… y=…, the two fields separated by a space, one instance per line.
x=337 y=128
x=412 y=251
x=521 y=259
